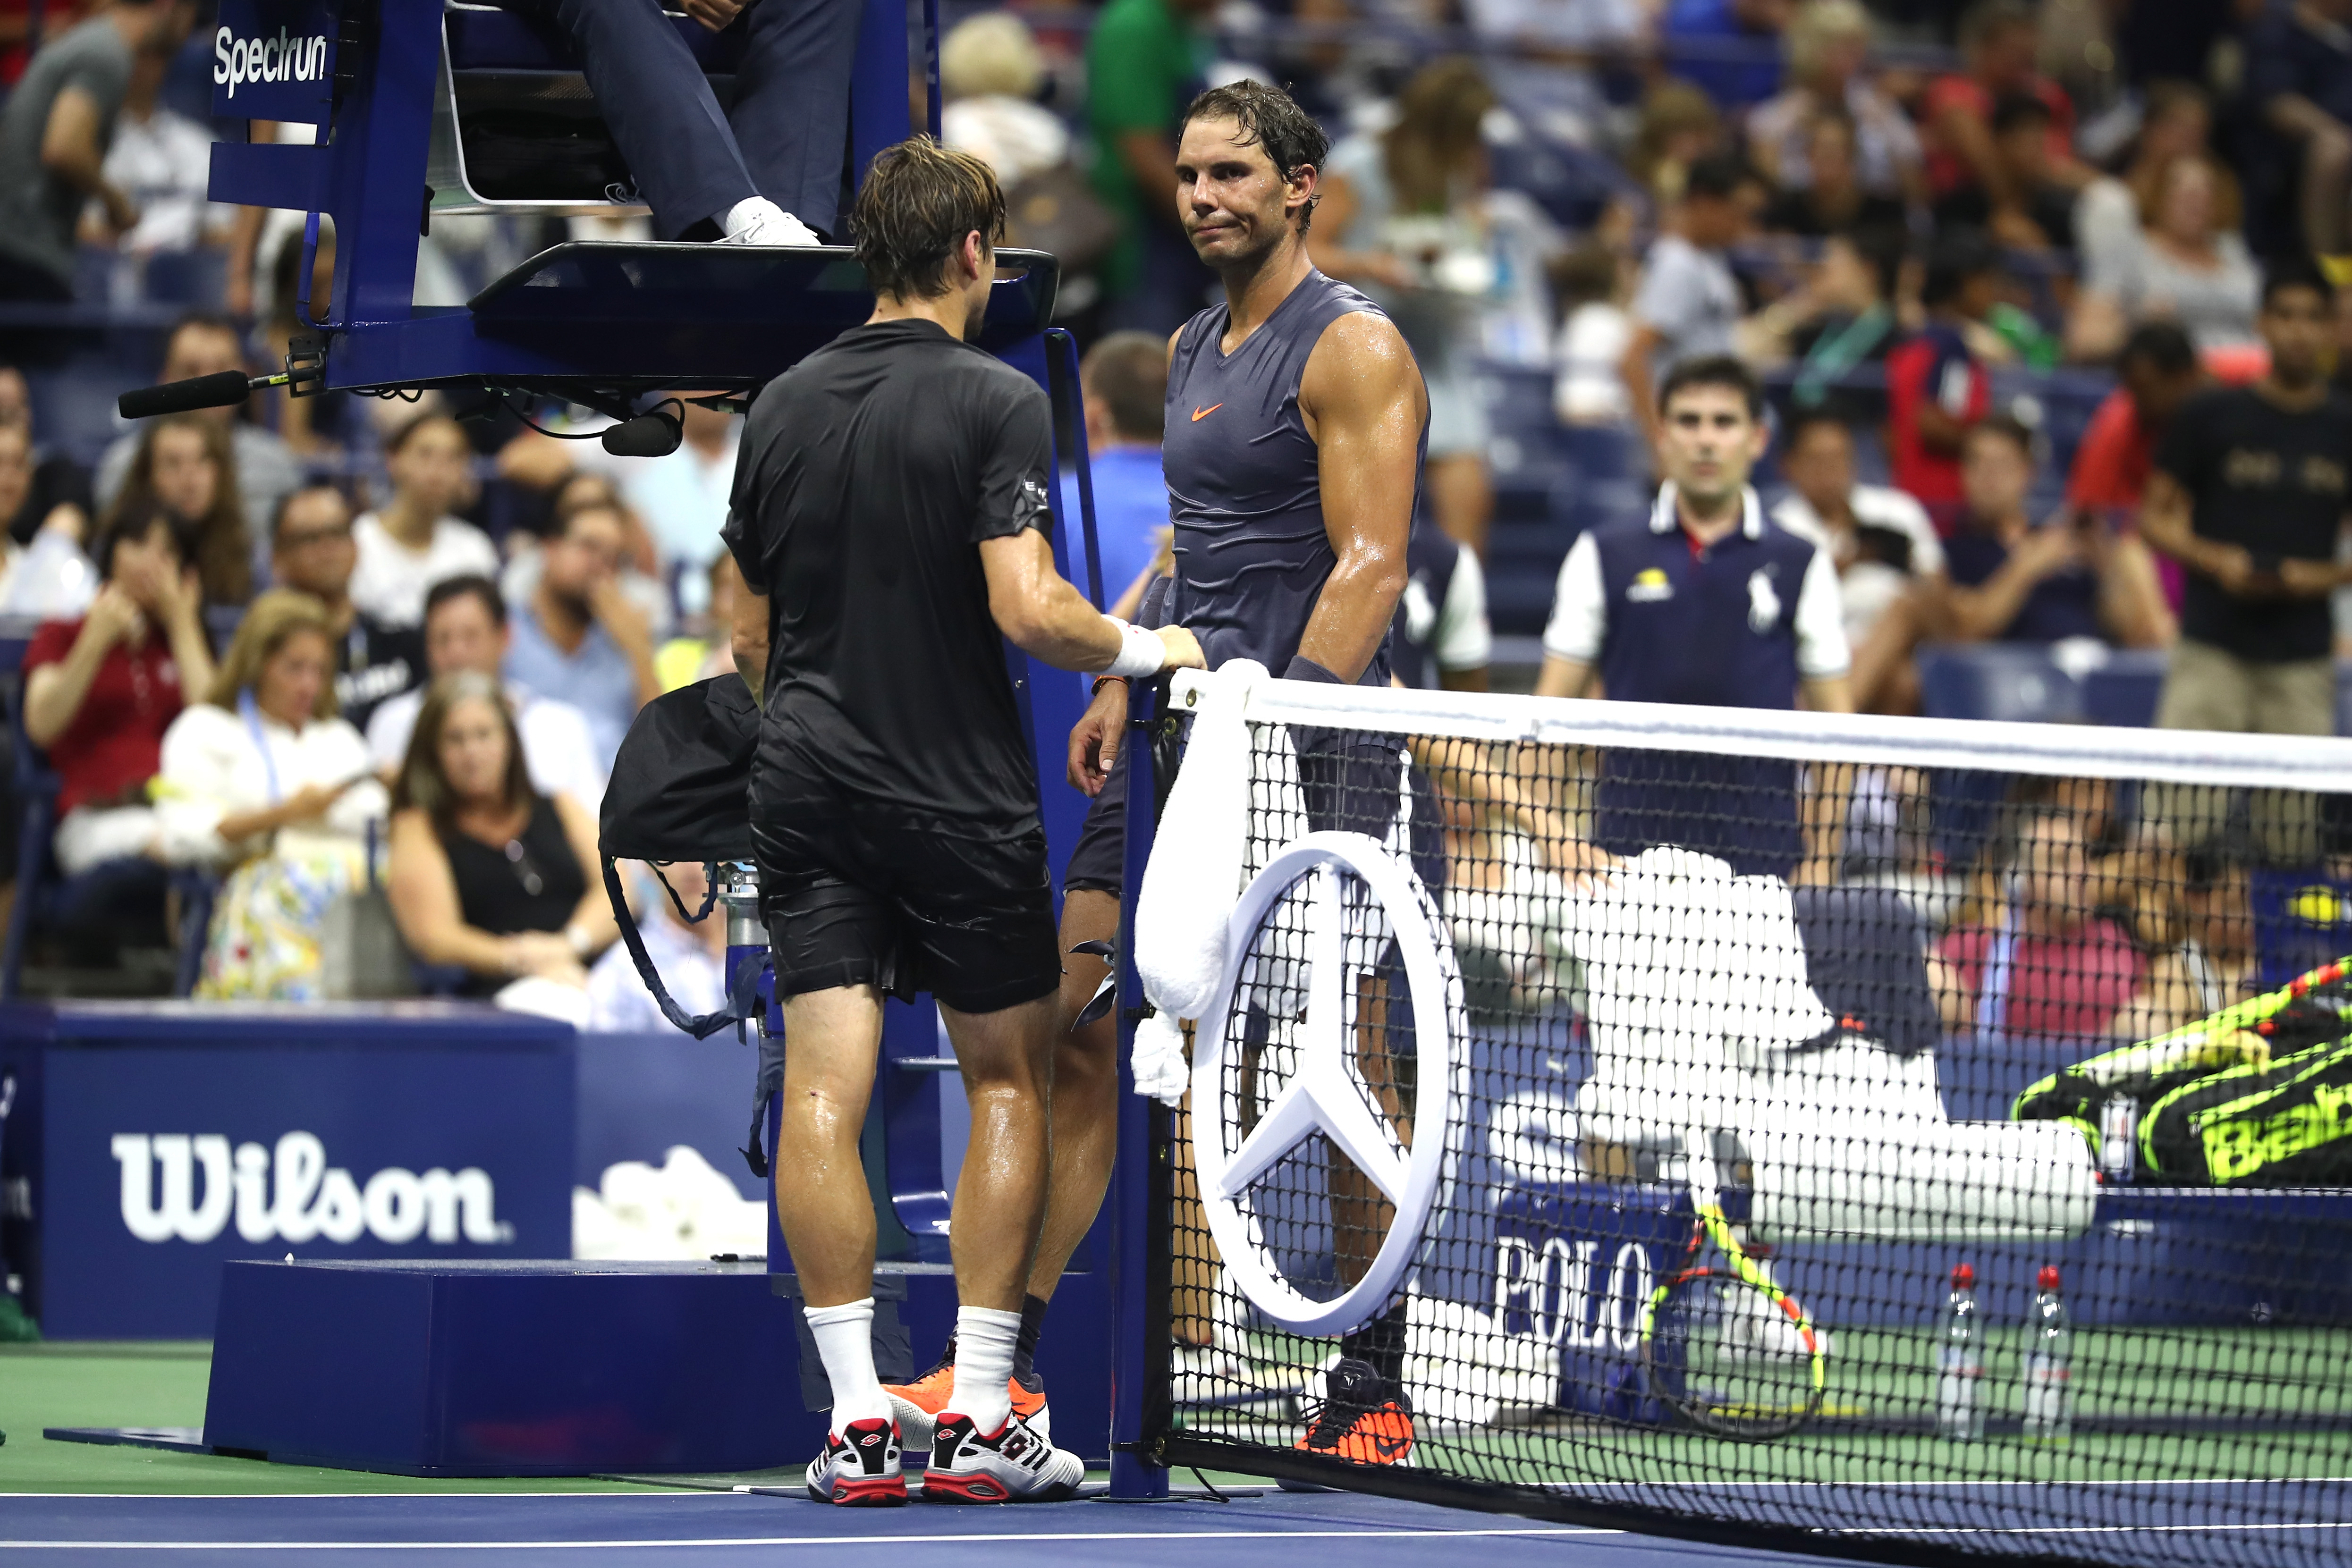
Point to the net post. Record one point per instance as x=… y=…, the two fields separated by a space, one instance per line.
x=1138 y=1336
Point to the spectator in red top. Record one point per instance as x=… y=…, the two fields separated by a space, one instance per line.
x=100 y=692
x=2158 y=370
x=2046 y=964
x=1936 y=387
x=1999 y=39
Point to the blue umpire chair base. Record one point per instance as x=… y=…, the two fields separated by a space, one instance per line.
x=558 y=1368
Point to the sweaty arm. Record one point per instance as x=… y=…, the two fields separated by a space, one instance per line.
x=1362 y=400
x=1044 y=616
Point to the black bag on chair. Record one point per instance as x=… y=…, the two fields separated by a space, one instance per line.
x=681 y=787
x=680 y=790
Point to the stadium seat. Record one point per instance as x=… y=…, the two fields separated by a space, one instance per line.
x=2126 y=689
x=2010 y=681
x=517 y=127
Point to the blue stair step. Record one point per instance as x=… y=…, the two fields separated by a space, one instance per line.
x=556 y=1368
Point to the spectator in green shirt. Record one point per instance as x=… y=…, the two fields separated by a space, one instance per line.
x=1143 y=66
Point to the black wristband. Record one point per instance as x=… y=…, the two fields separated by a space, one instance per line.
x=1302 y=668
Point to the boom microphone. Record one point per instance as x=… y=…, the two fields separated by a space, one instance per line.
x=225 y=389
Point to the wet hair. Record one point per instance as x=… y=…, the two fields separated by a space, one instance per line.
x=1268 y=118
x=920 y=200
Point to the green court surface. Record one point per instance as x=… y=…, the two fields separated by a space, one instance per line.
x=88 y=1384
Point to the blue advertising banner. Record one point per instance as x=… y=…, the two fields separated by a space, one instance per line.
x=275 y=59
x=185 y=1141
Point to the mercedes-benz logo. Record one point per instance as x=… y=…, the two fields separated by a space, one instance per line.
x=1326 y=1093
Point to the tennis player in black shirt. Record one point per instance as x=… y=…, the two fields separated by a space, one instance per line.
x=889 y=517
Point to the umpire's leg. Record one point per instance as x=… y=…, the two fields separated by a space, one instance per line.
x=658 y=106
x=792 y=104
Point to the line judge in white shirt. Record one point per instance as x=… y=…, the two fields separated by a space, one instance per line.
x=465 y=629
x=1704 y=602
x=407 y=546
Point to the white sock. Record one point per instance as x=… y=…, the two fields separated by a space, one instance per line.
x=983 y=1366
x=844 y=1342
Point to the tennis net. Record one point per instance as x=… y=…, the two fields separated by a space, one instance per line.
x=1904 y=1139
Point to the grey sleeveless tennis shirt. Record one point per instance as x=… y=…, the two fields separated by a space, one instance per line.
x=1243 y=489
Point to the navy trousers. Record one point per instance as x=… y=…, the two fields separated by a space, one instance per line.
x=784 y=138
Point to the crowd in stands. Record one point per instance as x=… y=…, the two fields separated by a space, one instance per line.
x=2015 y=277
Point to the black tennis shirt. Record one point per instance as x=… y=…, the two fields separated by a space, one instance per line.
x=868 y=475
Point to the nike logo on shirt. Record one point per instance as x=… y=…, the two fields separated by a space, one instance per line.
x=1201 y=414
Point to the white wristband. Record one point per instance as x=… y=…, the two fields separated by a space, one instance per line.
x=1141 y=651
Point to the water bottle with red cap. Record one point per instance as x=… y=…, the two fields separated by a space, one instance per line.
x=1960 y=1382
x=2049 y=1356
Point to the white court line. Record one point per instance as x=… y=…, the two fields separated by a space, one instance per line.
x=898 y=1540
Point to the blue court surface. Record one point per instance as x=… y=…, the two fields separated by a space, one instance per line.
x=718 y=1528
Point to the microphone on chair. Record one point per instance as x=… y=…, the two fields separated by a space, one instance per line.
x=656 y=434
x=225 y=389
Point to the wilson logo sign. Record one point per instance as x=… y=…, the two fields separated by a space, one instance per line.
x=178 y=1186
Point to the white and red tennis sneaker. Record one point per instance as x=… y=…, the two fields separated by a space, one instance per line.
x=1016 y=1463
x=859 y=1467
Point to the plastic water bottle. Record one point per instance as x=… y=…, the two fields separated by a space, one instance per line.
x=2118 y=1127
x=1960 y=1409
x=2049 y=1354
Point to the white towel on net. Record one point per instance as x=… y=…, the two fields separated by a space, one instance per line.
x=1194 y=875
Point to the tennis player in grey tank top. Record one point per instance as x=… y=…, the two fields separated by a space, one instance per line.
x=1254 y=548
x=1297 y=424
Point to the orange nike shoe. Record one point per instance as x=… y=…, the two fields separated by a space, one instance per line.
x=918 y=1404
x=1364 y=1417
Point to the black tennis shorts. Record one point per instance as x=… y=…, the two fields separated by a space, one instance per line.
x=862 y=894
